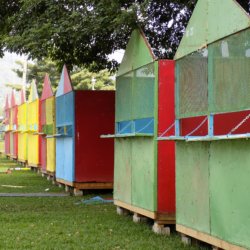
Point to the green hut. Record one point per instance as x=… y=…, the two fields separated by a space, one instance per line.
x=213 y=126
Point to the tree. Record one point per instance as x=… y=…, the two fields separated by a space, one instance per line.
x=37 y=70
x=84 y=79
x=85 y=32
x=81 y=78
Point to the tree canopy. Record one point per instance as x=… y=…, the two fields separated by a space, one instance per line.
x=81 y=78
x=85 y=32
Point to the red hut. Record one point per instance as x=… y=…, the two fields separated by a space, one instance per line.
x=83 y=159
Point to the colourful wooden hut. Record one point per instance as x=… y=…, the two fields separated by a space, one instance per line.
x=144 y=172
x=33 y=127
x=47 y=124
x=22 y=128
x=213 y=126
x=7 y=128
x=14 y=127
x=83 y=159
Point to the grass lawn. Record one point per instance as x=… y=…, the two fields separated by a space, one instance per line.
x=67 y=223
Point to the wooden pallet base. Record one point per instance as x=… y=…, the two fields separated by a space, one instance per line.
x=142 y=215
x=49 y=176
x=161 y=218
x=215 y=242
x=87 y=185
x=13 y=157
x=32 y=165
x=79 y=186
x=22 y=162
x=47 y=173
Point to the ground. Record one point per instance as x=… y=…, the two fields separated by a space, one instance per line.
x=65 y=222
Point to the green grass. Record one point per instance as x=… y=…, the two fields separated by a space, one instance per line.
x=29 y=181
x=66 y=223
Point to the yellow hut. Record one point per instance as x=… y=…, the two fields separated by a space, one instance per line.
x=22 y=129
x=33 y=127
x=47 y=122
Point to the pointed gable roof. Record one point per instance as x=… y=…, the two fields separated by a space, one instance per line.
x=47 y=90
x=22 y=97
x=7 y=106
x=137 y=54
x=64 y=85
x=33 y=91
x=12 y=100
x=212 y=20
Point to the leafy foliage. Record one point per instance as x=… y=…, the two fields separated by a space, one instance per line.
x=84 y=33
x=84 y=79
x=81 y=78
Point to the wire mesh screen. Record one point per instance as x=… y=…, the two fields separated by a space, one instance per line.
x=33 y=108
x=22 y=116
x=143 y=92
x=229 y=64
x=60 y=110
x=192 y=85
x=69 y=107
x=124 y=97
x=15 y=115
x=43 y=112
x=50 y=110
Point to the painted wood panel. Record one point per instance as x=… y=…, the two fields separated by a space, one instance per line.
x=123 y=170
x=229 y=186
x=192 y=185
x=94 y=116
x=166 y=149
x=144 y=176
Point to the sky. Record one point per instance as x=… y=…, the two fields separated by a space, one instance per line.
x=7 y=63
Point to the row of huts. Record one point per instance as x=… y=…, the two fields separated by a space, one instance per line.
x=175 y=132
x=60 y=135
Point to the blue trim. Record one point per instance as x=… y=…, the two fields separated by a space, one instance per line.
x=144 y=126
x=60 y=89
x=211 y=125
x=124 y=127
x=137 y=126
x=177 y=127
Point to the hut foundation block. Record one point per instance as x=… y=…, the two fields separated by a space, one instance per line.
x=137 y=218
x=67 y=189
x=160 y=229
x=78 y=192
x=185 y=239
x=121 y=211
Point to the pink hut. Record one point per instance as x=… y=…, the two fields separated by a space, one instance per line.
x=13 y=127
x=7 y=127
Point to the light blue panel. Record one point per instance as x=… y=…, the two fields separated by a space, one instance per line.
x=124 y=127
x=65 y=116
x=60 y=111
x=68 y=130
x=60 y=89
x=69 y=108
x=60 y=153
x=69 y=159
x=144 y=126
